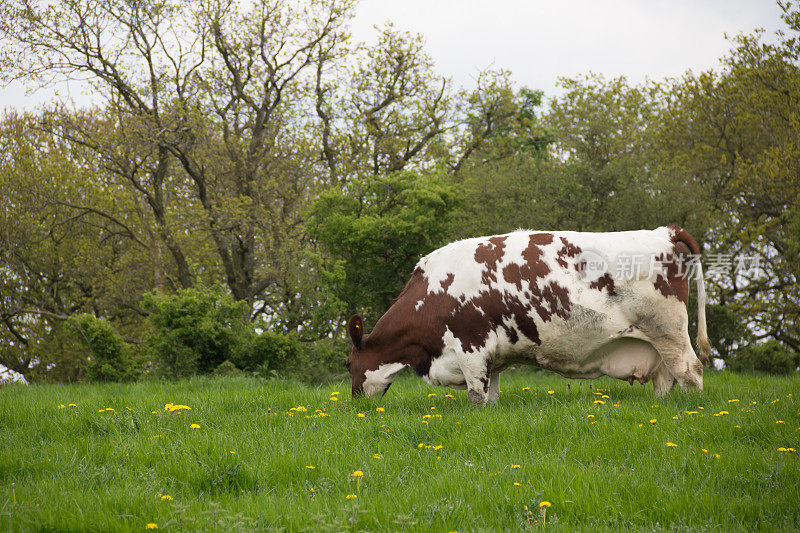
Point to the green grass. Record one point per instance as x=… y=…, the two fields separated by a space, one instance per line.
x=75 y=468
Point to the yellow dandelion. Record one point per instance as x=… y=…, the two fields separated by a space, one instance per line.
x=61 y=406
x=780 y=422
x=606 y=396
x=377 y=456
x=310 y=467
x=335 y=393
x=703 y=450
x=448 y=395
x=166 y=497
x=671 y=444
x=420 y=445
x=717 y=456
x=433 y=408
x=517 y=484
x=431 y=395
x=601 y=402
x=357 y=473
x=334 y=399
x=233 y=452
x=380 y=409
x=675 y=417
x=589 y=416
x=551 y=392
x=350 y=496
x=361 y=415
x=516 y=466
x=73 y=405
x=733 y=400
x=151 y=525
x=653 y=420
x=437 y=447
x=154 y=412
x=545 y=503
x=526 y=388
x=195 y=426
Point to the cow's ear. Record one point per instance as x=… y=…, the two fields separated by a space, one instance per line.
x=355 y=327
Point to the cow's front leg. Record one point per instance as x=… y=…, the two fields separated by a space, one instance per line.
x=494 y=388
x=475 y=368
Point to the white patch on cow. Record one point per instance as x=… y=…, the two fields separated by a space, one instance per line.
x=377 y=380
x=420 y=303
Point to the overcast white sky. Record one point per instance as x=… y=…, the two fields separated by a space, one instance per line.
x=540 y=40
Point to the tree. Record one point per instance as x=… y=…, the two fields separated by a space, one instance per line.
x=735 y=134
x=377 y=229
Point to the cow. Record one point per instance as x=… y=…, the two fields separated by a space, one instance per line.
x=579 y=304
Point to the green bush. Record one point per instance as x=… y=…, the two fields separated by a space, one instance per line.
x=268 y=353
x=110 y=356
x=770 y=357
x=227 y=369
x=195 y=330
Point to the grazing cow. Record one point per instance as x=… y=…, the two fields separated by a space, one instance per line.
x=580 y=304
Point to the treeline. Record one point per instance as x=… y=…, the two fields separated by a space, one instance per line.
x=249 y=178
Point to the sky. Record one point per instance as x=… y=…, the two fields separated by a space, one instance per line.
x=542 y=40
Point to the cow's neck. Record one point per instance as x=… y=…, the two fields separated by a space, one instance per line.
x=394 y=343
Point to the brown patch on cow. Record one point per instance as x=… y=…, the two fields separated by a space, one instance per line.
x=604 y=282
x=533 y=267
x=490 y=254
x=553 y=301
x=446 y=282
x=662 y=285
x=675 y=281
x=567 y=250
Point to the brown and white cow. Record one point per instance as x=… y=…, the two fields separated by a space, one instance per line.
x=580 y=304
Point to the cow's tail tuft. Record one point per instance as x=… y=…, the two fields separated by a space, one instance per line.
x=681 y=235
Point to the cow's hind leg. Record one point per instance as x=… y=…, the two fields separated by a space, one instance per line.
x=681 y=361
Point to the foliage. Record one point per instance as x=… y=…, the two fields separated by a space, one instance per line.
x=111 y=358
x=226 y=368
x=771 y=357
x=267 y=353
x=379 y=227
x=599 y=474
x=194 y=330
x=726 y=331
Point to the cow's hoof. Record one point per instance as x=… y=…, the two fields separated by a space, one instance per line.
x=476 y=398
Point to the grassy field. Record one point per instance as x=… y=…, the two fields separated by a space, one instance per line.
x=278 y=455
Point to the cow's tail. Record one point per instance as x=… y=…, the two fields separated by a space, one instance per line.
x=681 y=235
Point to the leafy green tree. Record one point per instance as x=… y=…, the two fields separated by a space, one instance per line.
x=734 y=134
x=378 y=228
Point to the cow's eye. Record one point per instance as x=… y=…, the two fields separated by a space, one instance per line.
x=347 y=365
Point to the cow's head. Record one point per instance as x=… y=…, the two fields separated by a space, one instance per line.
x=372 y=373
